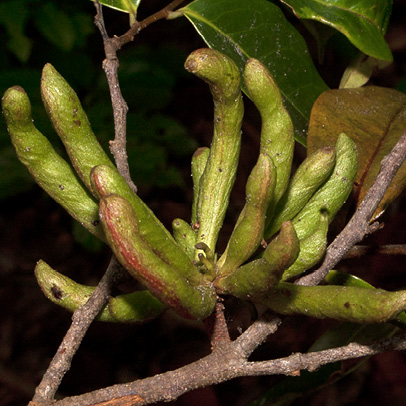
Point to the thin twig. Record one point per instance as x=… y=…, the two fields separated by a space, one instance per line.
x=118 y=146
x=360 y=250
x=358 y=226
x=311 y=361
x=81 y=320
x=140 y=25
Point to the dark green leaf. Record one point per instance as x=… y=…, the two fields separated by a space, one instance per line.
x=258 y=29
x=345 y=279
x=361 y=22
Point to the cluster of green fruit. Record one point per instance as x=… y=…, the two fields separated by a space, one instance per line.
x=280 y=233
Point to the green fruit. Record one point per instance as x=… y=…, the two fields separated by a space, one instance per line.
x=312 y=249
x=249 y=230
x=136 y=307
x=348 y=303
x=71 y=123
x=106 y=180
x=334 y=192
x=254 y=279
x=188 y=297
x=49 y=170
x=310 y=175
x=217 y=180
x=185 y=236
x=199 y=161
x=277 y=138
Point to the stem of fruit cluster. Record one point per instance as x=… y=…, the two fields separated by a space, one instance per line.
x=118 y=146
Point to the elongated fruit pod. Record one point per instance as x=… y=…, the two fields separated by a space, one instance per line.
x=312 y=249
x=190 y=300
x=345 y=279
x=50 y=171
x=258 y=276
x=71 y=124
x=106 y=180
x=185 y=236
x=345 y=303
x=334 y=192
x=223 y=77
x=199 y=161
x=310 y=175
x=277 y=136
x=135 y=307
x=249 y=230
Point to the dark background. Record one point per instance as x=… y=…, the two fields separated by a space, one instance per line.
x=170 y=116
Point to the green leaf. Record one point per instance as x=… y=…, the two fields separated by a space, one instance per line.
x=258 y=29
x=127 y=6
x=375 y=118
x=361 y=22
x=345 y=279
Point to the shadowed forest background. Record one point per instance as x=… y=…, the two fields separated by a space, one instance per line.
x=170 y=116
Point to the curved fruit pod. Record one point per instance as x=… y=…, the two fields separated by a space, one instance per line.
x=106 y=180
x=334 y=192
x=199 y=161
x=258 y=276
x=50 y=171
x=217 y=180
x=185 y=236
x=312 y=249
x=71 y=124
x=135 y=307
x=195 y=301
x=277 y=136
x=345 y=303
x=310 y=175
x=249 y=230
